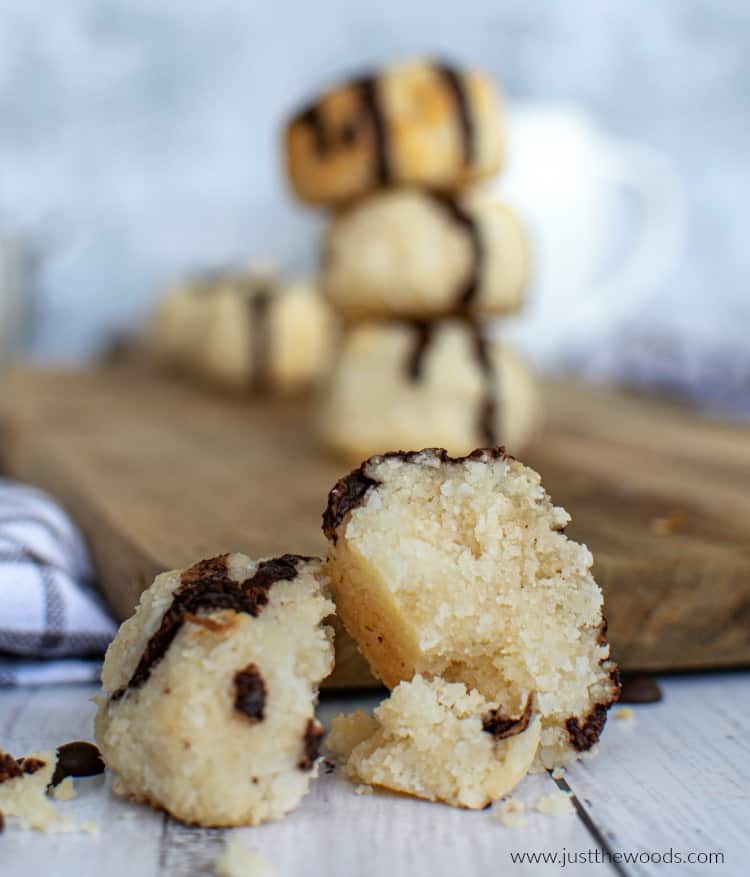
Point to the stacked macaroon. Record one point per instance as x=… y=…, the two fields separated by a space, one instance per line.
x=243 y=330
x=416 y=260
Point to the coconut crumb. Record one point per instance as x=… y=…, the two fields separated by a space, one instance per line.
x=557 y=803
x=64 y=791
x=349 y=730
x=625 y=713
x=24 y=797
x=509 y=812
x=238 y=861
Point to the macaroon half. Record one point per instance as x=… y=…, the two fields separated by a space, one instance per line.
x=459 y=568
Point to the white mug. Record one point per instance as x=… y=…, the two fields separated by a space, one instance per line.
x=564 y=176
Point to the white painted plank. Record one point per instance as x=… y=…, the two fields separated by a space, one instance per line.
x=676 y=776
x=334 y=831
x=129 y=838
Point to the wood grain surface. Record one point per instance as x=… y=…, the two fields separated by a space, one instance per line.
x=159 y=474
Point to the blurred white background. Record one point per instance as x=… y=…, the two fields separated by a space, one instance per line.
x=140 y=140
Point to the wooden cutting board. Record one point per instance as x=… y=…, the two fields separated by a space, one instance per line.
x=159 y=474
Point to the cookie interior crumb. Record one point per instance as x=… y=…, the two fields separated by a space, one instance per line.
x=349 y=730
x=238 y=861
x=509 y=812
x=65 y=790
x=556 y=803
x=440 y=741
x=24 y=796
x=625 y=712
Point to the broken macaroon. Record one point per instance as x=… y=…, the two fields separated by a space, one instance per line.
x=211 y=688
x=459 y=568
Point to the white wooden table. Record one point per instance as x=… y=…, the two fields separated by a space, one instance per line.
x=675 y=777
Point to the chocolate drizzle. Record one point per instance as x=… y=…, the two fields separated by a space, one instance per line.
x=415 y=365
x=348 y=493
x=454 y=81
x=488 y=406
x=325 y=139
x=469 y=289
x=584 y=736
x=259 y=311
x=313 y=119
x=368 y=88
x=311 y=742
x=250 y=693
x=207 y=586
x=501 y=727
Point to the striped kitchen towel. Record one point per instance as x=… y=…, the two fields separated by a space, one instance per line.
x=54 y=626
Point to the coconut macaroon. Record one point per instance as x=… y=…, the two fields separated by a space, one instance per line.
x=460 y=568
x=418 y=123
x=211 y=688
x=404 y=385
x=245 y=331
x=413 y=253
x=440 y=741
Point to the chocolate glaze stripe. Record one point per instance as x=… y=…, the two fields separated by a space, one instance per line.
x=208 y=586
x=259 y=317
x=368 y=88
x=468 y=291
x=311 y=117
x=454 y=81
x=488 y=406
x=415 y=365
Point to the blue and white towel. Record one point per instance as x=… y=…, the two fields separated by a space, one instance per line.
x=54 y=626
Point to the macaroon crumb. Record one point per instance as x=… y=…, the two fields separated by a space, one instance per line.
x=509 y=812
x=349 y=730
x=557 y=803
x=23 y=791
x=238 y=861
x=625 y=713
x=65 y=790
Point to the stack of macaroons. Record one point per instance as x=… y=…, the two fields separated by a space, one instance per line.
x=415 y=262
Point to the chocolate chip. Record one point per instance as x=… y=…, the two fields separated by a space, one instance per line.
x=250 y=693
x=208 y=586
x=640 y=689
x=12 y=768
x=312 y=741
x=77 y=759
